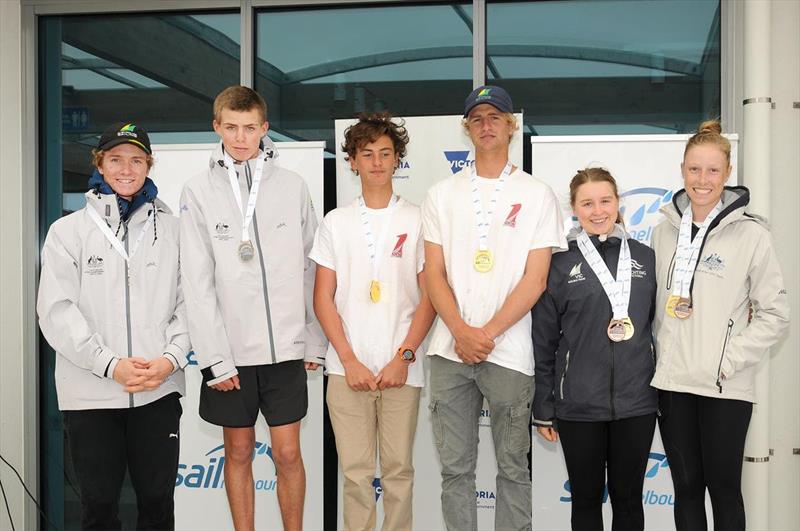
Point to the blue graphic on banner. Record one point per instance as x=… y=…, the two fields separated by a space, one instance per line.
x=458 y=160
x=640 y=210
x=376 y=484
x=649 y=496
x=210 y=475
x=191 y=357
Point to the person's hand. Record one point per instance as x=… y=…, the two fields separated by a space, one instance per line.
x=131 y=373
x=157 y=370
x=394 y=374
x=549 y=433
x=358 y=377
x=473 y=345
x=228 y=385
x=311 y=366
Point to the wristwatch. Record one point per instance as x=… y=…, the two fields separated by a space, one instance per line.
x=407 y=354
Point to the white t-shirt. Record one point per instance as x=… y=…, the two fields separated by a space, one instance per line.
x=527 y=216
x=375 y=330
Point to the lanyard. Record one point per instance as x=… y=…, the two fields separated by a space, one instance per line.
x=688 y=250
x=483 y=218
x=112 y=238
x=619 y=290
x=251 y=199
x=375 y=249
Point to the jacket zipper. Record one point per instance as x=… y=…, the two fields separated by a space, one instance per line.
x=611 y=395
x=564 y=377
x=671 y=269
x=263 y=270
x=722 y=354
x=128 y=303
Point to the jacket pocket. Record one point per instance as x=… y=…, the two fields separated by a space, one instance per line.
x=563 y=379
x=438 y=429
x=722 y=354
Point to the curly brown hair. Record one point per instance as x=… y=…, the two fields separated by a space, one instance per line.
x=369 y=128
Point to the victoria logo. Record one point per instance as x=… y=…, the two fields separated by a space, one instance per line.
x=210 y=474
x=485 y=499
x=403 y=167
x=637 y=269
x=458 y=160
x=640 y=210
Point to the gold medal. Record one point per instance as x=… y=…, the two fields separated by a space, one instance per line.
x=672 y=301
x=629 y=329
x=375 y=291
x=483 y=261
x=616 y=330
x=683 y=308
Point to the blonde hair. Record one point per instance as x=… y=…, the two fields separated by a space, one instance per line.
x=593 y=175
x=709 y=132
x=510 y=118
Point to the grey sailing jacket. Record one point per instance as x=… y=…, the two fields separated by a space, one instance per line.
x=95 y=308
x=256 y=312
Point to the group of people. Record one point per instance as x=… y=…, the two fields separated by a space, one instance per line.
x=614 y=334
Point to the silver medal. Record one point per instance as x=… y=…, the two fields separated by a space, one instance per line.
x=246 y=251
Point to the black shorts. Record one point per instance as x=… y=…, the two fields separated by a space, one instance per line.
x=279 y=390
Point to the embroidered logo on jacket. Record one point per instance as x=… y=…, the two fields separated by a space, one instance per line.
x=713 y=262
x=637 y=269
x=398 y=247
x=222 y=231
x=511 y=219
x=575 y=274
x=94 y=265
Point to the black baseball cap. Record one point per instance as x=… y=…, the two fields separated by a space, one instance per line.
x=494 y=96
x=125 y=133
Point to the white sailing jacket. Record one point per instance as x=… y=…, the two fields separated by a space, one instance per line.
x=95 y=308
x=259 y=311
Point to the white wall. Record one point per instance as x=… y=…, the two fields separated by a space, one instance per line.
x=784 y=400
x=18 y=248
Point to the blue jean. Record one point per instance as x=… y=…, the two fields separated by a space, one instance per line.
x=457 y=394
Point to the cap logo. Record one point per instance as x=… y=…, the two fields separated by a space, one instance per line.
x=128 y=130
x=484 y=92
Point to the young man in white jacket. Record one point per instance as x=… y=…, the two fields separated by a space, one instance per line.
x=247 y=227
x=110 y=304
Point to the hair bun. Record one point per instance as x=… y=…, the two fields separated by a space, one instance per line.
x=710 y=126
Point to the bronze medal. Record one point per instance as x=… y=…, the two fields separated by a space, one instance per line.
x=683 y=308
x=616 y=330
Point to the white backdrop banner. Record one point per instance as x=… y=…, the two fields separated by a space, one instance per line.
x=200 y=501
x=647 y=171
x=438 y=148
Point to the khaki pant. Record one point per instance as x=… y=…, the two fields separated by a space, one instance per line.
x=365 y=423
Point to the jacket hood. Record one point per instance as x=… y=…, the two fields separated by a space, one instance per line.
x=147 y=194
x=734 y=201
x=618 y=233
x=267 y=149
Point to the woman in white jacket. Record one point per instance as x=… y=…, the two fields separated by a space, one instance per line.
x=721 y=304
x=111 y=307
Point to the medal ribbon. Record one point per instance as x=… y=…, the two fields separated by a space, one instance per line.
x=688 y=251
x=375 y=250
x=251 y=199
x=619 y=290
x=483 y=218
x=112 y=238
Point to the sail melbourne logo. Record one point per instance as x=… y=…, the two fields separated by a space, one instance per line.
x=640 y=210
x=458 y=160
x=210 y=475
x=650 y=496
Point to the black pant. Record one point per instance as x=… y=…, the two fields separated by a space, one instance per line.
x=624 y=445
x=704 y=441
x=104 y=443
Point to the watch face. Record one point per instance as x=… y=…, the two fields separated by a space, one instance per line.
x=408 y=354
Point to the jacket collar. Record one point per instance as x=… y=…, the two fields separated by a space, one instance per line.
x=734 y=201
